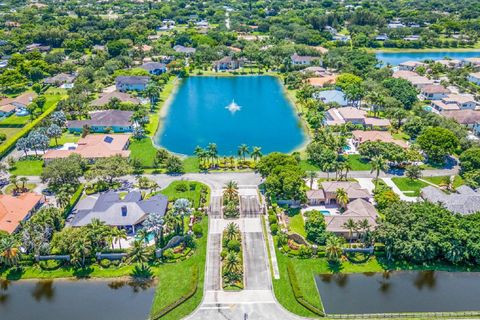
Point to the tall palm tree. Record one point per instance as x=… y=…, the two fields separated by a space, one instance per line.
x=119 y=235
x=232 y=231
x=256 y=153
x=81 y=249
x=327 y=167
x=138 y=253
x=364 y=226
x=311 y=175
x=14 y=180
x=347 y=167
x=143 y=235
x=200 y=153
x=231 y=190
x=9 y=252
x=212 y=151
x=342 y=197
x=23 y=180
x=153 y=92
x=232 y=262
x=378 y=164
x=333 y=248
x=243 y=151
x=351 y=226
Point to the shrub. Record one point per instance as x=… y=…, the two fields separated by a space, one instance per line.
x=192 y=186
x=298 y=293
x=234 y=245
x=50 y=264
x=274 y=228
x=105 y=263
x=3 y=137
x=224 y=253
x=305 y=251
x=197 y=230
x=272 y=219
x=168 y=254
x=181 y=187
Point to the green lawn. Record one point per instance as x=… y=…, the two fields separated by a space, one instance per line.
x=457 y=182
x=10 y=187
x=297 y=224
x=15 y=120
x=169 y=87
x=406 y=184
x=30 y=167
x=143 y=150
x=174 y=281
x=307 y=166
x=65 y=138
x=401 y=136
x=358 y=164
x=192 y=193
x=191 y=164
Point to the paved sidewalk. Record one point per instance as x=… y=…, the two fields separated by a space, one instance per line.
x=389 y=182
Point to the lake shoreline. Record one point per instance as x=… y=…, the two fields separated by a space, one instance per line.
x=424 y=50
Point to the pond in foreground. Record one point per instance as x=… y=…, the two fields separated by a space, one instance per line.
x=75 y=300
x=231 y=111
x=401 y=291
x=397 y=57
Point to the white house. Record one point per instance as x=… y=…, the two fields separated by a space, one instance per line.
x=474 y=77
x=434 y=92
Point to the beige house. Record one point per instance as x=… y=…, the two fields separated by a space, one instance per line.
x=339 y=116
x=360 y=136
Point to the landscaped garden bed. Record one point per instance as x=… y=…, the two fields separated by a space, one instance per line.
x=231 y=203
x=232 y=258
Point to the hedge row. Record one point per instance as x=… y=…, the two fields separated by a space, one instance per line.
x=182 y=299
x=10 y=143
x=73 y=200
x=298 y=293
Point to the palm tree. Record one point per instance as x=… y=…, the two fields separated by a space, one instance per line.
x=81 y=249
x=232 y=231
x=364 y=226
x=333 y=248
x=256 y=153
x=232 y=262
x=200 y=153
x=181 y=208
x=342 y=197
x=376 y=100
x=327 y=167
x=119 y=235
x=311 y=175
x=231 y=190
x=347 y=167
x=154 y=223
x=212 y=151
x=378 y=164
x=13 y=180
x=143 y=234
x=138 y=253
x=153 y=92
x=243 y=151
x=9 y=252
x=351 y=226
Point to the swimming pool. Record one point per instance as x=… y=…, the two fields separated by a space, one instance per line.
x=427 y=108
x=325 y=212
x=22 y=112
x=347 y=148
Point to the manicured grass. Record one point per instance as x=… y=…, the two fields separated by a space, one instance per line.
x=169 y=87
x=65 y=138
x=457 y=182
x=191 y=164
x=406 y=184
x=297 y=224
x=31 y=167
x=357 y=163
x=174 y=281
x=307 y=166
x=400 y=136
x=15 y=120
x=10 y=132
x=192 y=193
x=144 y=151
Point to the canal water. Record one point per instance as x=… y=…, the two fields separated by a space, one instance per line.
x=395 y=58
x=399 y=291
x=75 y=300
x=231 y=111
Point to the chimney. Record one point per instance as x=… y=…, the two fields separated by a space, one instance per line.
x=124 y=211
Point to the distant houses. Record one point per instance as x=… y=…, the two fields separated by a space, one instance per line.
x=474 y=77
x=339 y=116
x=298 y=60
x=154 y=68
x=131 y=83
x=117 y=121
x=331 y=96
x=105 y=98
x=17 y=208
x=434 y=92
x=228 y=63
x=126 y=212
x=464 y=200
x=412 y=77
x=361 y=136
x=455 y=102
x=93 y=147
x=469 y=118
x=9 y=105
x=184 y=50
x=410 y=65
x=62 y=80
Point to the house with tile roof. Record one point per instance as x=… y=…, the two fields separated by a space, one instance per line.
x=117 y=121
x=154 y=68
x=339 y=116
x=106 y=97
x=353 y=190
x=464 y=201
x=15 y=209
x=126 y=212
x=455 y=101
x=357 y=210
x=361 y=136
x=131 y=83
x=434 y=92
x=93 y=147
x=469 y=118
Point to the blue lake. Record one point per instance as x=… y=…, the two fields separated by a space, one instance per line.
x=198 y=115
x=395 y=58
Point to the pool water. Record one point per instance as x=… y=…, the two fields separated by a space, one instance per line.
x=231 y=111
x=325 y=212
x=427 y=108
x=347 y=148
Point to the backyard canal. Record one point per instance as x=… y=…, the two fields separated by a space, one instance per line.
x=397 y=57
x=231 y=111
x=399 y=291
x=75 y=300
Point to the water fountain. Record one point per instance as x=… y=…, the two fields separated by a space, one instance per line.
x=233 y=107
